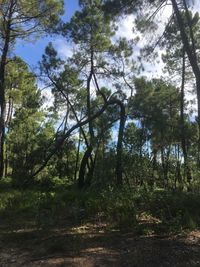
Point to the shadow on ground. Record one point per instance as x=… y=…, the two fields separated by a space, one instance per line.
x=92 y=246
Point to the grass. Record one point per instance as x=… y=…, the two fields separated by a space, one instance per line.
x=142 y=211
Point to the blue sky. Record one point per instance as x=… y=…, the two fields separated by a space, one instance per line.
x=32 y=52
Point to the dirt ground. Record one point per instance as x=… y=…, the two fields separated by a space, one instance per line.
x=92 y=246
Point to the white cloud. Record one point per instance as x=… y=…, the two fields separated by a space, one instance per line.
x=64 y=48
x=196 y=5
x=125 y=27
x=153 y=67
x=48 y=98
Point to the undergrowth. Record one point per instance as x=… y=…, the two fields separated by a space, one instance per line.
x=143 y=211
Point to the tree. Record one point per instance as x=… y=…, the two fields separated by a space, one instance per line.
x=156 y=105
x=30 y=133
x=91 y=32
x=190 y=48
x=177 y=63
x=20 y=19
x=147 y=10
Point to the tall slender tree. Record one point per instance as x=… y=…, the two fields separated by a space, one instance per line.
x=91 y=30
x=20 y=19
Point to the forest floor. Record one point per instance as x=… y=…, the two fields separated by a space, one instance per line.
x=54 y=228
x=91 y=245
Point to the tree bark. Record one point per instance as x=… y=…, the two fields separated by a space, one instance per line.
x=182 y=123
x=154 y=166
x=79 y=124
x=7 y=148
x=119 y=163
x=2 y=87
x=191 y=53
x=84 y=162
x=77 y=156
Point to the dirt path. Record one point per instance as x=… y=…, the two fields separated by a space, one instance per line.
x=91 y=247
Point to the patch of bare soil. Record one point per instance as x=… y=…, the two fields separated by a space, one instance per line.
x=90 y=246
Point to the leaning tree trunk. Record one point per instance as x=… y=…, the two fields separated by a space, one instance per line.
x=79 y=124
x=84 y=165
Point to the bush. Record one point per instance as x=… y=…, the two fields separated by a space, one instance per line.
x=145 y=210
x=119 y=207
x=177 y=210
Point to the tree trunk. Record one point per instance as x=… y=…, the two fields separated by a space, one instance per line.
x=7 y=27
x=8 y=121
x=192 y=56
x=88 y=154
x=91 y=131
x=182 y=123
x=198 y=118
x=3 y=104
x=119 y=163
x=79 y=124
x=154 y=166
x=6 y=161
x=77 y=155
x=178 y=176
x=84 y=164
x=165 y=164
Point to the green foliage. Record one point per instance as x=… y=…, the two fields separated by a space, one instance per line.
x=176 y=211
x=90 y=25
x=97 y=72
x=119 y=207
x=28 y=131
x=29 y=17
x=143 y=211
